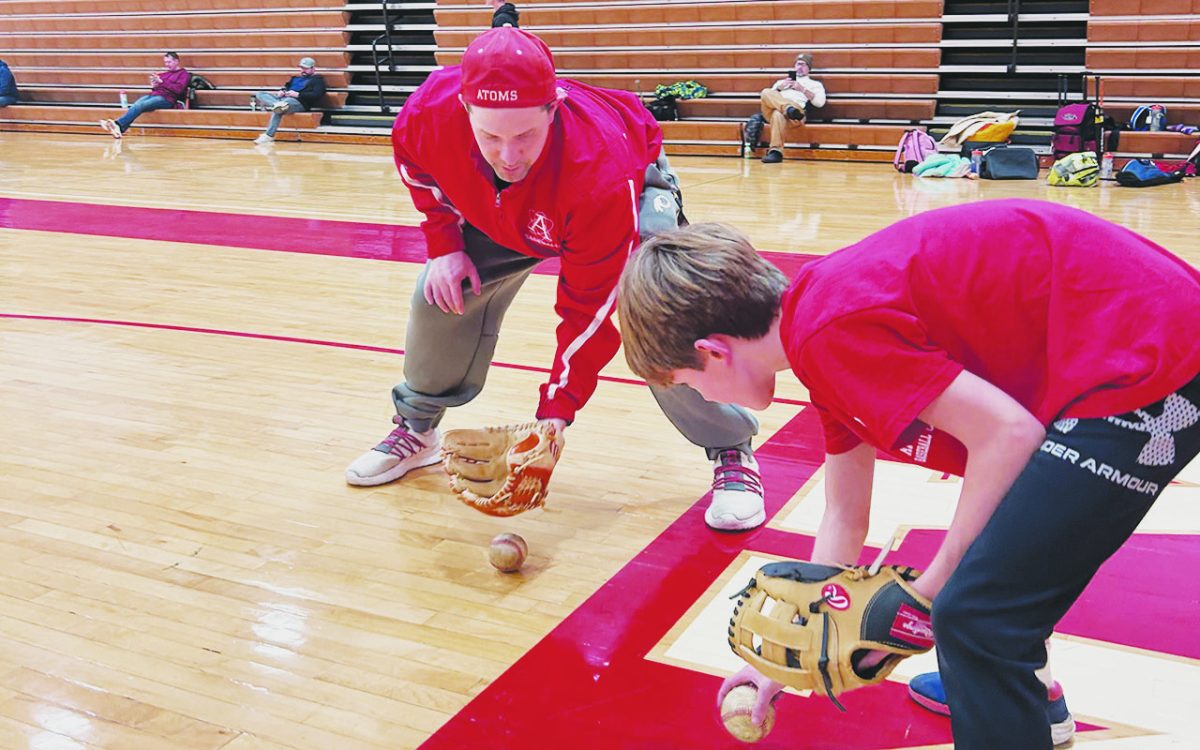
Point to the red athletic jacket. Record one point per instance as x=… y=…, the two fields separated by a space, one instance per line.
x=579 y=202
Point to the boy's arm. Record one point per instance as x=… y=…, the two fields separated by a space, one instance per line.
x=843 y=529
x=1000 y=436
x=840 y=537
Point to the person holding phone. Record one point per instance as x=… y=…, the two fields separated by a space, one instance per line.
x=784 y=102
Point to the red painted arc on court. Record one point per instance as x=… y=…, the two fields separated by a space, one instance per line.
x=302 y=340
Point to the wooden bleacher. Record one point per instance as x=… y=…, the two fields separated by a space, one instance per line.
x=74 y=57
x=878 y=60
x=1147 y=61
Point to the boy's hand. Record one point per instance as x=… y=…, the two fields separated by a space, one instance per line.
x=768 y=690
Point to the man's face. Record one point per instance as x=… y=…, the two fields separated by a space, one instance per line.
x=306 y=71
x=802 y=68
x=511 y=140
x=170 y=63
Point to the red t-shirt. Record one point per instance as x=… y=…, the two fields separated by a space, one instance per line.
x=1069 y=314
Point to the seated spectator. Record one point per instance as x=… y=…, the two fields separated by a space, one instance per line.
x=167 y=91
x=300 y=94
x=8 y=86
x=504 y=14
x=786 y=101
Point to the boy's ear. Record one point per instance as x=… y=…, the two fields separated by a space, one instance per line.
x=713 y=347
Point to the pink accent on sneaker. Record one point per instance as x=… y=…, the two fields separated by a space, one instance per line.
x=928 y=703
x=401 y=442
x=1054 y=692
x=731 y=471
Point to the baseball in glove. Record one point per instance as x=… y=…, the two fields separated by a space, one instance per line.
x=502 y=471
x=808 y=625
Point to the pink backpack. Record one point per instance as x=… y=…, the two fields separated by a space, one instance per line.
x=915 y=146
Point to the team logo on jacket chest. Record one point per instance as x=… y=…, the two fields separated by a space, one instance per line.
x=540 y=230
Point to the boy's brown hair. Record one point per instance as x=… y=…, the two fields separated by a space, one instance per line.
x=686 y=285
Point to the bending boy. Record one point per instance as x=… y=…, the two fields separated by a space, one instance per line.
x=1061 y=380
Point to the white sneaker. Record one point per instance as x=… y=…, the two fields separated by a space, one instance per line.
x=280 y=106
x=264 y=139
x=399 y=453
x=737 y=493
x=112 y=127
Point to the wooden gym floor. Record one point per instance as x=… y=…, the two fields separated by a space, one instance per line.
x=196 y=336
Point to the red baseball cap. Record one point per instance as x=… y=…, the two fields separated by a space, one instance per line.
x=508 y=68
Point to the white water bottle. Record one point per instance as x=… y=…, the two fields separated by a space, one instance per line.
x=1106 y=166
x=1158 y=117
x=124 y=100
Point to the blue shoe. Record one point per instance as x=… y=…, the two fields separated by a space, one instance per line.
x=927 y=691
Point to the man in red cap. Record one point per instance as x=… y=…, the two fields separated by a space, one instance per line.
x=510 y=166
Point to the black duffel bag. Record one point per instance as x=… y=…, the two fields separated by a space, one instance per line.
x=663 y=108
x=1009 y=163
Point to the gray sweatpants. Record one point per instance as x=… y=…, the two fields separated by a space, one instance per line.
x=447 y=356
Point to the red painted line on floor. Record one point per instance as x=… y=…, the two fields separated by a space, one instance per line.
x=211 y=331
x=588 y=684
x=348 y=239
x=301 y=340
x=344 y=239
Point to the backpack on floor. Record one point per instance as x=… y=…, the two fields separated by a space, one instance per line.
x=1076 y=170
x=915 y=146
x=1009 y=163
x=1145 y=173
x=1187 y=168
x=1075 y=130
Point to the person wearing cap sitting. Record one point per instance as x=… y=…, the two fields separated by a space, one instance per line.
x=512 y=166
x=785 y=102
x=300 y=94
